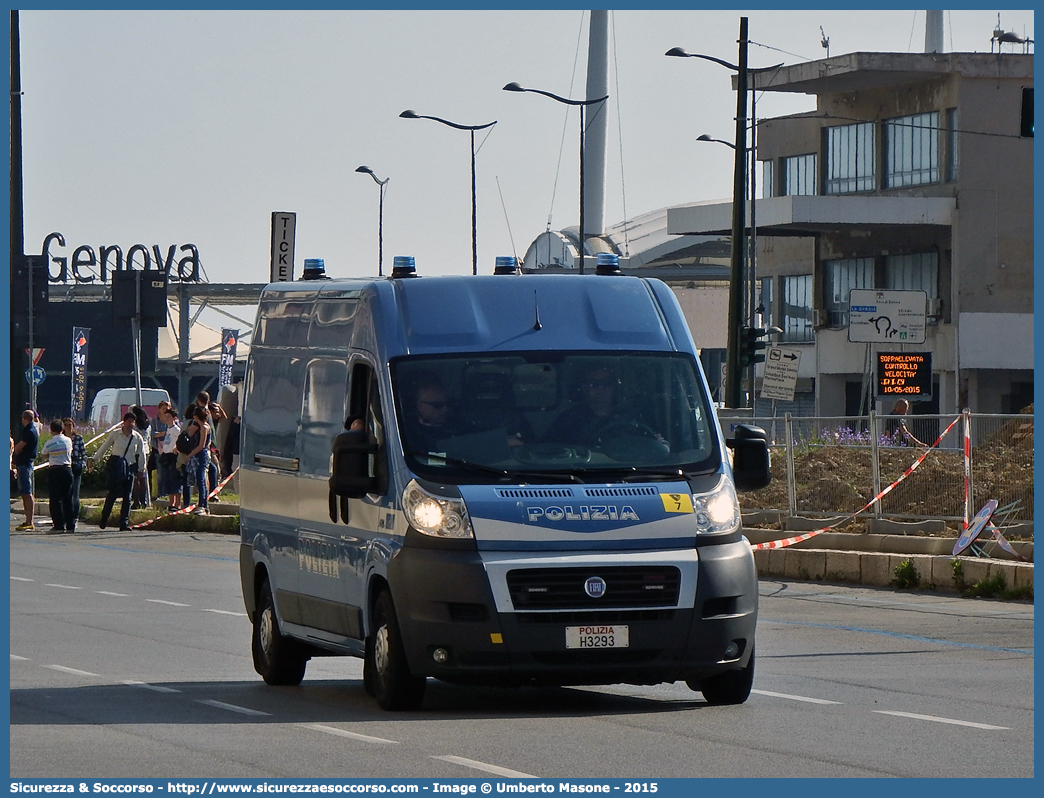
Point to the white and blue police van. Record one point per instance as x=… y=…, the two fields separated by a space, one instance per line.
x=504 y=479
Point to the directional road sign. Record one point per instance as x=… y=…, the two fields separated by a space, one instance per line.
x=886 y=317
x=35 y=375
x=781 y=371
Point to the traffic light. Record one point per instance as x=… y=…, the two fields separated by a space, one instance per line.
x=1026 y=129
x=750 y=346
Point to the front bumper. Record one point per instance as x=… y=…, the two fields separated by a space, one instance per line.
x=444 y=600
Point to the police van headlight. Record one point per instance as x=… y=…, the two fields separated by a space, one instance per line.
x=435 y=515
x=717 y=512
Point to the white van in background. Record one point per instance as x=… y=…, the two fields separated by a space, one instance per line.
x=110 y=404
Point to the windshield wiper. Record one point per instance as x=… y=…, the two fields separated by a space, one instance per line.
x=626 y=473
x=510 y=476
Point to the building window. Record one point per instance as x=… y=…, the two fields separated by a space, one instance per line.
x=799 y=175
x=917 y=272
x=850 y=158
x=912 y=150
x=768 y=186
x=797 y=308
x=764 y=305
x=951 y=144
x=840 y=277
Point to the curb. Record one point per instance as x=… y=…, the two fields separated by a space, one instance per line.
x=877 y=569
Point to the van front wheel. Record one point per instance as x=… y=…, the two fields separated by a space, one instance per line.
x=276 y=658
x=730 y=687
x=394 y=687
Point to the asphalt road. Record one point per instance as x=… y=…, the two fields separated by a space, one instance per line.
x=130 y=658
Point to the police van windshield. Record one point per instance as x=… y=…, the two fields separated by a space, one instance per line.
x=587 y=416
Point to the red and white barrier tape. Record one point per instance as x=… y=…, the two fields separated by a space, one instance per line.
x=189 y=508
x=778 y=544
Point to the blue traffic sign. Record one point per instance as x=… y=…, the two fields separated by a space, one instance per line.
x=36 y=375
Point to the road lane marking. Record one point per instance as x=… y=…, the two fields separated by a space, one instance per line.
x=21 y=579
x=227 y=612
x=153 y=687
x=497 y=771
x=73 y=671
x=170 y=603
x=19 y=659
x=342 y=733
x=66 y=587
x=231 y=707
x=795 y=697
x=943 y=720
x=110 y=593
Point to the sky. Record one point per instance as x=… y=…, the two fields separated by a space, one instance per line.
x=193 y=127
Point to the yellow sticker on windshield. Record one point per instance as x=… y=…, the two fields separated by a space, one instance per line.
x=677 y=502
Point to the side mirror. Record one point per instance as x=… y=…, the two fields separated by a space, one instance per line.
x=750 y=458
x=353 y=461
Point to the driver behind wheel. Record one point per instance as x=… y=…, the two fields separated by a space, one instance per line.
x=598 y=414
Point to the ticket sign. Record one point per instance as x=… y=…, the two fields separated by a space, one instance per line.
x=886 y=317
x=904 y=375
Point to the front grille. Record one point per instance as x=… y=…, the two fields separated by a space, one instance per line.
x=563 y=588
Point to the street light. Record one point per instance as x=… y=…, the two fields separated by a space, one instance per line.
x=733 y=389
x=581 y=104
x=472 y=128
x=705 y=137
x=380 y=218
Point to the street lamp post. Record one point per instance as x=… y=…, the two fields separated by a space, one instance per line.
x=380 y=218
x=474 y=211
x=581 y=104
x=733 y=389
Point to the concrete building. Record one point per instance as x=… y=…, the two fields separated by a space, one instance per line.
x=911 y=174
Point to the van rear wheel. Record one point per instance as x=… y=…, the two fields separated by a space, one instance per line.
x=386 y=669
x=276 y=658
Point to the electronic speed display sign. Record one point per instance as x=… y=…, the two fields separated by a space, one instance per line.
x=904 y=375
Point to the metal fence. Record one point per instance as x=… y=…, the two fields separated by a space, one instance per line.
x=827 y=466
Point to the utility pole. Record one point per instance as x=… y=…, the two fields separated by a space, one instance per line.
x=733 y=372
x=17 y=240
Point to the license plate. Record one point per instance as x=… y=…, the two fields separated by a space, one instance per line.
x=597 y=637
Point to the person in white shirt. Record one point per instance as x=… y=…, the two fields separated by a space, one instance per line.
x=125 y=441
x=60 y=479
x=170 y=479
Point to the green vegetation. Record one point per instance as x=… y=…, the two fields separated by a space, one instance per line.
x=906 y=576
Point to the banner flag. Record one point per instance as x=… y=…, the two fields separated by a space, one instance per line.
x=228 y=357
x=79 y=371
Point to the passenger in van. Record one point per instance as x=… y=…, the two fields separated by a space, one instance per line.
x=598 y=414
x=431 y=419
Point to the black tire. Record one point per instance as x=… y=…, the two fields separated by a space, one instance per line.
x=394 y=687
x=731 y=687
x=276 y=658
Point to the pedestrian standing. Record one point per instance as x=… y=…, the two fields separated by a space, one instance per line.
x=170 y=478
x=157 y=431
x=79 y=462
x=140 y=491
x=59 y=478
x=124 y=442
x=199 y=458
x=25 y=452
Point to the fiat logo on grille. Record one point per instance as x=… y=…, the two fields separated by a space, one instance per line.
x=595 y=587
